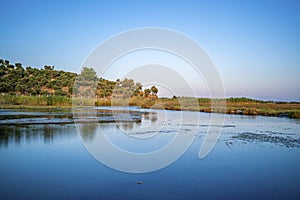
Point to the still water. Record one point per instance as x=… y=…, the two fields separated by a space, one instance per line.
x=255 y=158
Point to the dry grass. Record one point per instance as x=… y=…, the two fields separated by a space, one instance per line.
x=242 y=106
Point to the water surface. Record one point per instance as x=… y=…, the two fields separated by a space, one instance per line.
x=256 y=157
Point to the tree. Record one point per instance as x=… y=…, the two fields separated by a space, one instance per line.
x=11 y=66
x=2 y=71
x=15 y=79
x=147 y=92
x=18 y=65
x=86 y=83
x=47 y=67
x=154 y=90
x=3 y=87
x=88 y=74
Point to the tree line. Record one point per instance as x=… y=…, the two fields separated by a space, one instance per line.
x=15 y=79
x=87 y=80
x=28 y=81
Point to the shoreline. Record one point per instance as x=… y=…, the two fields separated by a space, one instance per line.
x=291 y=111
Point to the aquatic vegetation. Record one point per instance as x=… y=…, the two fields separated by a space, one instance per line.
x=281 y=139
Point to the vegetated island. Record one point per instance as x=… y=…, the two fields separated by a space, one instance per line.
x=48 y=88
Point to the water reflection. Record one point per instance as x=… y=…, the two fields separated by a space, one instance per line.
x=263 y=130
x=152 y=116
x=23 y=135
x=126 y=126
x=88 y=131
x=18 y=128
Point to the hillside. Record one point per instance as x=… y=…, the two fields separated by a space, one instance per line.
x=14 y=79
x=29 y=81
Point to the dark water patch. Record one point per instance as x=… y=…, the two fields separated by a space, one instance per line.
x=154 y=132
x=276 y=133
x=103 y=116
x=221 y=126
x=286 y=141
x=210 y=125
x=36 y=121
x=22 y=115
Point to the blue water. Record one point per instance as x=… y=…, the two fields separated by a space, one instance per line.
x=48 y=161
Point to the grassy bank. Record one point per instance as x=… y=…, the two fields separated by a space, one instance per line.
x=241 y=106
x=34 y=101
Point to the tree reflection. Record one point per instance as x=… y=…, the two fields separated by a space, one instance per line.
x=48 y=134
x=126 y=126
x=20 y=135
x=152 y=116
x=4 y=136
x=17 y=137
x=88 y=131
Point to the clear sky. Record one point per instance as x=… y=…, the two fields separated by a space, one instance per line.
x=254 y=44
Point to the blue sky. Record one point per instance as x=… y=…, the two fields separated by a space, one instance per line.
x=254 y=44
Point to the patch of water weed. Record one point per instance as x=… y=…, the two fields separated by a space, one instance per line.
x=286 y=141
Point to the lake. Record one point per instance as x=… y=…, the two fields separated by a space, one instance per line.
x=43 y=157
